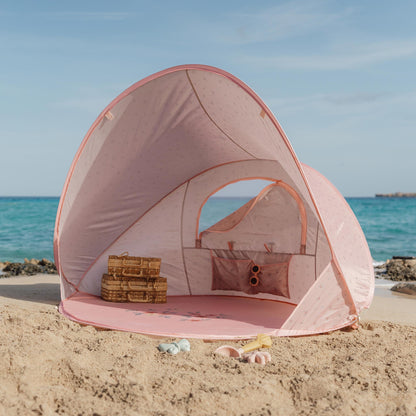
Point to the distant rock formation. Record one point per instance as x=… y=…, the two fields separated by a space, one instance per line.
x=397 y=195
x=407 y=288
x=401 y=268
x=28 y=268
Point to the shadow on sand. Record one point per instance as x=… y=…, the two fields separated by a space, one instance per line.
x=47 y=293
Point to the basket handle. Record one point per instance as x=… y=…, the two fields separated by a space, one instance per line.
x=123 y=257
x=124 y=274
x=145 y=297
x=129 y=297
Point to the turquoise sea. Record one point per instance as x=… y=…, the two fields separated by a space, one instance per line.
x=27 y=224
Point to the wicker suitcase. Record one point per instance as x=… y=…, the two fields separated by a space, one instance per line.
x=125 y=265
x=134 y=289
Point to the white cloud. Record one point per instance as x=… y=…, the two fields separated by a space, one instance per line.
x=339 y=100
x=339 y=111
x=342 y=57
x=279 y=22
x=87 y=16
x=355 y=98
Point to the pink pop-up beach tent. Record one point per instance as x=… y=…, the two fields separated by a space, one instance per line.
x=292 y=261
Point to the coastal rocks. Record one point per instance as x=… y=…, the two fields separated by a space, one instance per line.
x=407 y=288
x=397 y=195
x=401 y=268
x=28 y=268
x=380 y=271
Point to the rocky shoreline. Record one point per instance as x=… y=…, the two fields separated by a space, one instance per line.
x=397 y=195
x=398 y=269
x=28 y=268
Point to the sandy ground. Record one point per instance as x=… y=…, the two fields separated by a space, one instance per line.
x=50 y=365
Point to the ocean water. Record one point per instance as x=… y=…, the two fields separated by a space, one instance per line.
x=26 y=228
x=27 y=224
x=389 y=225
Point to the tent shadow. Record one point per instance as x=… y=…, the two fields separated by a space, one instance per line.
x=46 y=293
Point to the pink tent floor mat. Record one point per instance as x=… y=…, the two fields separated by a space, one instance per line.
x=203 y=317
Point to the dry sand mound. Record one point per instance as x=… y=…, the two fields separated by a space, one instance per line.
x=50 y=365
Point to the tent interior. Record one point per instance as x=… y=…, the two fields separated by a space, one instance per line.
x=245 y=274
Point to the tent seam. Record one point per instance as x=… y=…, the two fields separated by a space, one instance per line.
x=348 y=207
x=182 y=251
x=330 y=264
x=316 y=249
x=338 y=270
x=212 y=120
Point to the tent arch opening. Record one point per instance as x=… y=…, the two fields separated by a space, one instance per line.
x=231 y=189
x=236 y=218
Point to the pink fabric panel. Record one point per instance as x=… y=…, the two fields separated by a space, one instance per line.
x=238 y=114
x=231 y=274
x=274 y=279
x=346 y=237
x=301 y=276
x=232 y=270
x=199 y=270
x=233 y=219
x=66 y=289
x=157 y=234
x=91 y=151
x=203 y=317
x=152 y=145
x=274 y=220
x=323 y=252
x=322 y=309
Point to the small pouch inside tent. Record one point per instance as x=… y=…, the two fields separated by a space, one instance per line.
x=236 y=270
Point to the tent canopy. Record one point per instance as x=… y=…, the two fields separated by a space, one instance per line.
x=138 y=183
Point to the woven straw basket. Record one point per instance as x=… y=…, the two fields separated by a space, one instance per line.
x=133 y=279
x=134 y=289
x=125 y=265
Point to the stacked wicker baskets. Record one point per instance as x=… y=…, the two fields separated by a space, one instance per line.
x=133 y=279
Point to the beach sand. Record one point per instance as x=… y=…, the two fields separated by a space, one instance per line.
x=50 y=365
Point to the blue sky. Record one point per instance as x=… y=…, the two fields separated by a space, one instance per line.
x=338 y=75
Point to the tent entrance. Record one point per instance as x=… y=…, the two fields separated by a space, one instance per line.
x=274 y=220
x=251 y=249
x=203 y=317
